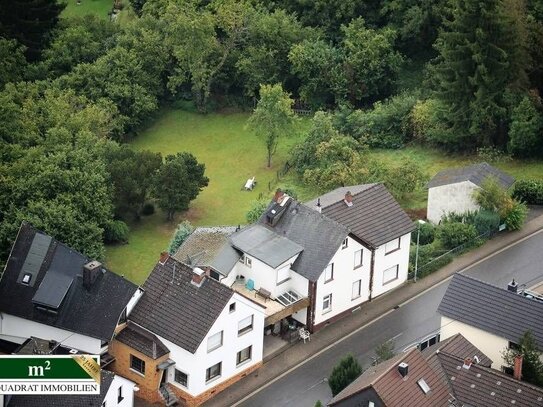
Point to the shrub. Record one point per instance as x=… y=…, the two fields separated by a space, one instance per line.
x=184 y=229
x=492 y=154
x=516 y=216
x=148 y=209
x=454 y=234
x=453 y=217
x=385 y=351
x=344 y=373
x=426 y=233
x=486 y=221
x=256 y=211
x=529 y=191
x=405 y=178
x=116 y=231
x=493 y=197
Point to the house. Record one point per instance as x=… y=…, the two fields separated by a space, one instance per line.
x=452 y=190
x=189 y=336
x=492 y=318
x=114 y=391
x=452 y=373
x=51 y=291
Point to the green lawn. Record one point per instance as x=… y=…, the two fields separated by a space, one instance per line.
x=100 y=8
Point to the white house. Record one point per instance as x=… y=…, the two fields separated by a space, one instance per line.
x=492 y=318
x=452 y=190
x=51 y=291
x=200 y=335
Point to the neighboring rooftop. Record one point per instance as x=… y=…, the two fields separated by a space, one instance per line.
x=143 y=341
x=177 y=310
x=375 y=216
x=39 y=346
x=492 y=309
x=475 y=173
x=43 y=282
x=209 y=247
x=459 y=346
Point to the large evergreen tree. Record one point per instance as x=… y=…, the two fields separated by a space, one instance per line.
x=30 y=22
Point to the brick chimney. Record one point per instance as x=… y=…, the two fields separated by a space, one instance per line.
x=467 y=363
x=91 y=271
x=318 y=206
x=164 y=256
x=348 y=199
x=278 y=197
x=198 y=276
x=517 y=367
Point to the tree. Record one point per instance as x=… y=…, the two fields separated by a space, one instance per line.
x=405 y=178
x=30 y=22
x=273 y=117
x=344 y=373
x=12 y=61
x=526 y=131
x=493 y=197
x=178 y=181
x=183 y=230
x=532 y=367
x=137 y=6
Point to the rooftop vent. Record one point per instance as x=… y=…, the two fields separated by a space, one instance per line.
x=403 y=368
x=319 y=207
x=423 y=386
x=91 y=271
x=512 y=286
x=467 y=363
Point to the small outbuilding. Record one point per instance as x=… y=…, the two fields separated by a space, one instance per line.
x=451 y=190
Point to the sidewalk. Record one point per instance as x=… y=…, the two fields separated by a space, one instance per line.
x=327 y=336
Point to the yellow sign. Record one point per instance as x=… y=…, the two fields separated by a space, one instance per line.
x=89 y=365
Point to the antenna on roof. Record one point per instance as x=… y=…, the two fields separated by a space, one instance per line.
x=173 y=274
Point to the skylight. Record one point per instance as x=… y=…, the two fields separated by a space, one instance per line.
x=423 y=386
x=26 y=278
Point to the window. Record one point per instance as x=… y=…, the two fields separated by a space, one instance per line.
x=357 y=286
x=358 y=258
x=120 y=394
x=327 y=303
x=245 y=325
x=428 y=342
x=513 y=346
x=137 y=364
x=283 y=275
x=232 y=307
x=213 y=372
x=392 y=246
x=181 y=377
x=214 y=275
x=244 y=355
x=345 y=243
x=214 y=341
x=242 y=259
x=26 y=278
x=329 y=273
x=248 y=262
x=390 y=274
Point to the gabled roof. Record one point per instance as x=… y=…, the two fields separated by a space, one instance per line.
x=54 y=266
x=143 y=341
x=475 y=173
x=459 y=346
x=177 y=310
x=375 y=216
x=209 y=247
x=492 y=309
x=265 y=245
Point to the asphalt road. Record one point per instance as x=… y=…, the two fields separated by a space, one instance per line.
x=407 y=325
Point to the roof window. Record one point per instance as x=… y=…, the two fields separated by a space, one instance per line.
x=423 y=386
x=26 y=278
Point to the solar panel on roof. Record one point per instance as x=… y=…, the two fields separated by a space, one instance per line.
x=34 y=258
x=52 y=290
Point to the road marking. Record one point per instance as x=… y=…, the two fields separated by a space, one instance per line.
x=343 y=338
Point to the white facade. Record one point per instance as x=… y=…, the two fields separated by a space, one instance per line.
x=120 y=393
x=385 y=278
x=195 y=365
x=449 y=198
x=18 y=330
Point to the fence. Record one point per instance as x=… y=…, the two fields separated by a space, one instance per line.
x=279 y=174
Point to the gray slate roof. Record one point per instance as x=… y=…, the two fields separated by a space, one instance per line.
x=375 y=216
x=209 y=247
x=475 y=173
x=265 y=245
x=177 y=310
x=492 y=309
x=93 y=312
x=143 y=341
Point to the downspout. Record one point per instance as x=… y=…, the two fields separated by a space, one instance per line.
x=372 y=265
x=312 y=288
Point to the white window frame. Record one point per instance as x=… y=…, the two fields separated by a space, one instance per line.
x=248 y=262
x=283 y=275
x=345 y=243
x=239 y=355
x=358 y=253
x=356 y=290
x=208 y=372
x=329 y=273
x=327 y=299
x=214 y=341
x=392 y=246
x=245 y=325
x=395 y=269
x=186 y=385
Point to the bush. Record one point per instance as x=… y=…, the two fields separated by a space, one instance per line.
x=515 y=218
x=426 y=232
x=405 y=178
x=429 y=259
x=344 y=373
x=492 y=154
x=116 y=231
x=184 y=229
x=529 y=191
x=454 y=234
x=486 y=221
x=453 y=217
x=256 y=211
x=148 y=209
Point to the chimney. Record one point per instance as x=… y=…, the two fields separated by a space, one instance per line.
x=319 y=207
x=91 y=271
x=278 y=195
x=348 y=199
x=467 y=363
x=198 y=276
x=164 y=256
x=512 y=286
x=517 y=367
x=403 y=368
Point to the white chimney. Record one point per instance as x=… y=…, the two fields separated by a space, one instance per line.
x=348 y=199
x=198 y=276
x=318 y=206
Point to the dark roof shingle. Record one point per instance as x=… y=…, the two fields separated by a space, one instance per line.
x=142 y=341
x=475 y=173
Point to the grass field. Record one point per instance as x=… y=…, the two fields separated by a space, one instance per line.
x=100 y=8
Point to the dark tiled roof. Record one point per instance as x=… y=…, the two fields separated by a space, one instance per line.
x=492 y=309
x=475 y=173
x=375 y=217
x=319 y=236
x=142 y=341
x=460 y=347
x=209 y=246
x=177 y=310
x=93 y=312
x=337 y=195
x=87 y=400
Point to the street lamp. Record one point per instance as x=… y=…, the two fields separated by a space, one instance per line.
x=420 y=222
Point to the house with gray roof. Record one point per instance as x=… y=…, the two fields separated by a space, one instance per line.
x=188 y=335
x=492 y=318
x=451 y=190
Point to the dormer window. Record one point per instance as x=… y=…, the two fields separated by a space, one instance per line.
x=26 y=278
